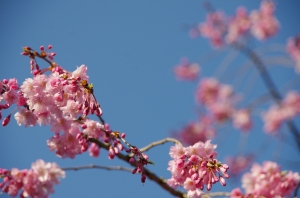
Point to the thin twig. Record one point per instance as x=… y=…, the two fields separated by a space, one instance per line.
x=92 y=166
x=153 y=144
x=161 y=182
x=218 y=194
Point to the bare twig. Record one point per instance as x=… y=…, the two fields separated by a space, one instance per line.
x=92 y=166
x=161 y=182
x=153 y=144
x=218 y=194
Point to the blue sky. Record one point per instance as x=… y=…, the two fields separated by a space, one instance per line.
x=130 y=48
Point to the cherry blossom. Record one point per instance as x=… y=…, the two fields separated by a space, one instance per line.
x=195 y=166
x=35 y=182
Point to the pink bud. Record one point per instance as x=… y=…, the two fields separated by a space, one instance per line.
x=5 y=106
x=131 y=160
x=49 y=46
x=106 y=126
x=139 y=170
x=52 y=54
x=209 y=186
x=143 y=178
x=84 y=148
x=27 y=48
x=6 y=120
x=36 y=72
x=222 y=181
x=111 y=153
x=128 y=150
x=84 y=126
x=42 y=48
x=79 y=136
x=116 y=150
x=25 y=53
x=99 y=111
x=123 y=135
x=106 y=140
x=134 y=171
x=120 y=146
x=5 y=81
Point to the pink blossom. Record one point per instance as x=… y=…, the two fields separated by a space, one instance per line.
x=94 y=150
x=207 y=91
x=186 y=70
x=197 y=131
x=11 y=97
x=36 y=182
x=197 y=167
x=26 y=117
x=80 y=72
x=70 y=109
x=268 y=181
x=13 y=84
x=238 y=164
x=213 y=28
x=242 y=120
x=195 y=193
x=264 y=24
x=238 y=25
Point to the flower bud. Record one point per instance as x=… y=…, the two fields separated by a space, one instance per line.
x=6 y=120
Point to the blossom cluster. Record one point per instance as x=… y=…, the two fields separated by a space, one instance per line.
x=277 y=114
x=219 y=100
x=36 y=182
x=268 y=181
x=195 y=167
x=195 y=131
x=186 y=70
x=64 y=101
x=261 y=23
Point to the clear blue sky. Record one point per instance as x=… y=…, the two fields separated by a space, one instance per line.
x=130 y=48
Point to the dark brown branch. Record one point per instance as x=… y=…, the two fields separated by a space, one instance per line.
x=161 y=182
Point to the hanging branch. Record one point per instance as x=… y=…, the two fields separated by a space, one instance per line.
x=273 y=91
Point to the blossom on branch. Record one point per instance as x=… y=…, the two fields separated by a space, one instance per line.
x=194 y=167
x=36 y=182
x=268 y=180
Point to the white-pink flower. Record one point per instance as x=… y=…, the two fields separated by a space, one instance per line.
x=25 y=117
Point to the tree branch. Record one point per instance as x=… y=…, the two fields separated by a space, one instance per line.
x=159 y=142
x=268 y=82
x=92 y=166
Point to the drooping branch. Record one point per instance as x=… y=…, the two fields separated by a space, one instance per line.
x=161 y=182
x=92 y=166
x=259 y=65
x=159 y=142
